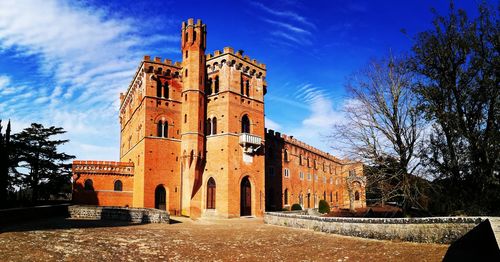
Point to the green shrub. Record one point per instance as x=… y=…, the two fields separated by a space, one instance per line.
x=323 y=207
x=296 y=207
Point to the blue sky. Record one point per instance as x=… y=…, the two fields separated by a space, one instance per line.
x=64 y=63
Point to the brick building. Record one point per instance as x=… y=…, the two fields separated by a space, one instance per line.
x=193 y=142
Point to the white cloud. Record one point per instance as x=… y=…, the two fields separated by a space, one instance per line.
x=270 y=124
x=84 y=55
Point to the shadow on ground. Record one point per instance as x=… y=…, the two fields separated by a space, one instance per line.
x=62 y=222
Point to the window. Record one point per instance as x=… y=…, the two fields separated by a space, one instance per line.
x=165 y=90
x=89 y=185
x=285 y=155
x=336 y=196
x=324 y=195
x=324 y=179
x=315 y=177
x=301 y=160
x=352 y=172
x=158 y=88
x=186 y=36
x=315 y=164
x=301 y=199
x=247 y=88
x=214 y=126
x=216 y=85
x=356 y=195
x=245 y=124
x=331 y=180
x=242 y=88
x=309 y=177
x=118 y=185
x=209 y=87
x=324 y=167
x=285 y=196
x=186 y=54
x=308 y=163
x=211 y=193
x=194 y=35
x=186 y=73
x=165 y=129
x=185 y=118
x=287 y=173
x=159 y=129
x=331 y=196
x=301 y=176
x=208 y=128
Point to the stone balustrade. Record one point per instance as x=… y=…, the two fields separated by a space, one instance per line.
x=134 y=215
x=103 y=167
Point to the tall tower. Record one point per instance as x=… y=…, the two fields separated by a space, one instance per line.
x=193 y=116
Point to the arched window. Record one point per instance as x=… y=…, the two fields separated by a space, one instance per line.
x=209 y=127
x=89 y=185
x=159 y=129
x=186 y=73
x=216 y=85
x=247 y=88
x=214 y=126
x=242 y=88
x=336 y=196
x=331 y=196
x=118 y=185
x=165 y=129
x=245 y=124
x=285 y=196
x=186 y=36
x=211 y=193
x=158 y=88
x=194 y=35
x=285 y=155
x=165 y=90
x=356 y=195
x=209 y=86
x=301 y=160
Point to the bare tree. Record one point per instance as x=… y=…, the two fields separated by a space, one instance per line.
x=383 y=128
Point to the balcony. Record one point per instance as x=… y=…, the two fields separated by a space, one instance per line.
x=250 y=143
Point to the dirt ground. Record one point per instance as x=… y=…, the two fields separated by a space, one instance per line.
x=245 y=239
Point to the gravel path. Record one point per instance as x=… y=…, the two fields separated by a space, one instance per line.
x=245 y=239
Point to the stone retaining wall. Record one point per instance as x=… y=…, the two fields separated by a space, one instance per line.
x=442 y=230
x=134 y=215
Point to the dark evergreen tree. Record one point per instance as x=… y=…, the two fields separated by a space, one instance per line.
x=41 y=167
x=5 y=162
x=460 y=94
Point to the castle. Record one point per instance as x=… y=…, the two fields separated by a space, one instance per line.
x=193 y=142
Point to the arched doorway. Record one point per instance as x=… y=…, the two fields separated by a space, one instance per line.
x=160 y=198
x=308 y=200
x=211 y=193
x=245 y=197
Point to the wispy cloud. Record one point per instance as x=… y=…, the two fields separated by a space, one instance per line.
x=292 y=28
x=285 y=14
x=85 y=55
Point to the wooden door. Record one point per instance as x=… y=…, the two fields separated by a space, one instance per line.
x=246 y=198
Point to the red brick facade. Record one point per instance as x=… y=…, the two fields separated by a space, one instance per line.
x=193 y=135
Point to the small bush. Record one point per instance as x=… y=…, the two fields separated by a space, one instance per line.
x=323 y=207
x=296 y=207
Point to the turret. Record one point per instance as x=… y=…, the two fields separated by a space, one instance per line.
x=193 y=115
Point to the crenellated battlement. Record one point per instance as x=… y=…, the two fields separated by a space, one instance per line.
x=239 y=54
x=298 y=143
x=103 y=167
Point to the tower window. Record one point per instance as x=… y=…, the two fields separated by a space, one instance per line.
x=186 y=73
x=165 y=129
x=185 y=118
x=247 y=88
x=159 y=129
x=245 y=124
x=209 y=86
x=186 y=54
x=194 y=35
x=165 y=90
x=158 y=88
x=214 y=126
x=242 y=91
x=216 y=85
x=209 y=127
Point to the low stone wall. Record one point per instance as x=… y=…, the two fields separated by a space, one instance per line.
x=134 y=215
x=442 y=230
